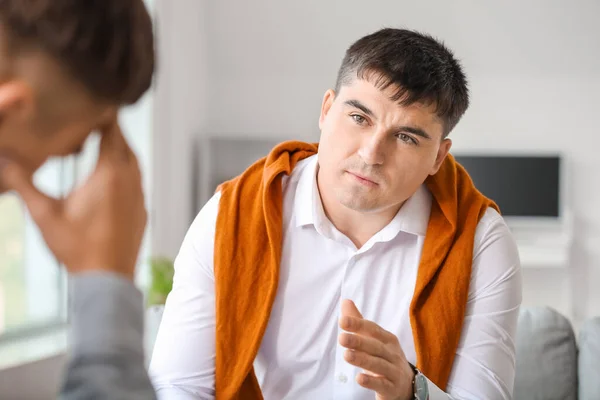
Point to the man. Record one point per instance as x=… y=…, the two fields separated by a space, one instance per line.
x=65 y=69
x=365 y=267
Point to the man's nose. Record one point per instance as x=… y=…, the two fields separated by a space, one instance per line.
x=372 y=149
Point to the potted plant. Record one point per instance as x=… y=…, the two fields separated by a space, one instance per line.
x=161 y=273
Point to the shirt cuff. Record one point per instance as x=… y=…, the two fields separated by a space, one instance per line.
x=107 y=315
x=435 y=393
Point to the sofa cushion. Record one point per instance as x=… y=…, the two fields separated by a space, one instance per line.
x=546 y=356
x=589 y=360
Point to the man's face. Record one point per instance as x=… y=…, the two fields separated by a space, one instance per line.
x=374 y=153
x=39 y=120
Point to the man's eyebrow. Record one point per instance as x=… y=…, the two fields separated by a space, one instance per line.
x=360 y=106
x=415 y=131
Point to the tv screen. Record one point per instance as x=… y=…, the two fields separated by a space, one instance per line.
x=524 y=186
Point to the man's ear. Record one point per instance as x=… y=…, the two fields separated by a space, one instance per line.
x=328 y=99
x=16 y=97
x=441 y=155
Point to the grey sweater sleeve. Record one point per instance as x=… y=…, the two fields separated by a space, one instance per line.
x=107 y=329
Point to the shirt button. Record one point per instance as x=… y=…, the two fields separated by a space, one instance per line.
x=342 y=378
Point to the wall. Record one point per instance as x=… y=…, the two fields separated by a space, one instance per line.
x=180 y=113
x=533 y=67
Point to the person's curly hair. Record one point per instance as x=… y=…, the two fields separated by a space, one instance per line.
x=108 y=45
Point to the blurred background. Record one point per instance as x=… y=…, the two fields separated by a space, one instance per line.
x=236 y=77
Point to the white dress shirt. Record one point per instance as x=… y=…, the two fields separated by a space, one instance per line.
x=299 y=357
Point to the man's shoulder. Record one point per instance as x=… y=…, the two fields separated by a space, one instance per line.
x=203 y=227
x=491 y=219
x=492 y=228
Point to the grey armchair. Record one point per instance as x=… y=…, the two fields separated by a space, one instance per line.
x=551 y=363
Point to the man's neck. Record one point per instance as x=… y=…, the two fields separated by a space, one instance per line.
x=357 y=226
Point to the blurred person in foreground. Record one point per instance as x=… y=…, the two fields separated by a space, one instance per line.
x=367 y=266
x=66 y=67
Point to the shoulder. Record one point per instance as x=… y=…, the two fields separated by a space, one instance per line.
x=492 y=228
x=206 y=220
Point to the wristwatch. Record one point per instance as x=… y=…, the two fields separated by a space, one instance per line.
x=420 y=387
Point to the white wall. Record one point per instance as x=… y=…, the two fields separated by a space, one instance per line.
x=534 y=68
x=180 y=113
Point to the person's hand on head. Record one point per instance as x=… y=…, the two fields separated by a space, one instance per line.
x=100 y=225
x=377 y=351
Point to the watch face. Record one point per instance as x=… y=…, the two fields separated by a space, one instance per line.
x=421 y=387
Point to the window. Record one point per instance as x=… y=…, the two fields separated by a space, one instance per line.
x=31 y=282
x=12 y=289
x=11 y=259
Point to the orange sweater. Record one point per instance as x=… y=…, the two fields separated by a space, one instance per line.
x=248 y=251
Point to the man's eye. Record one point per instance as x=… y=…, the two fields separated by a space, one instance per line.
x=359 y=119
x=407 y=138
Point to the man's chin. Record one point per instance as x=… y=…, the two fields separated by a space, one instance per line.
x=358 y=203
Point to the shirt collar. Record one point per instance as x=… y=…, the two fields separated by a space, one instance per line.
x=307 y=200
x=412 y=218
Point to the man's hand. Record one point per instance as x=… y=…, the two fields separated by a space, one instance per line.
x=100 y=225
x=378 y=353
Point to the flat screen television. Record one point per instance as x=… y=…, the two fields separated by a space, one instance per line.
x=521 y=185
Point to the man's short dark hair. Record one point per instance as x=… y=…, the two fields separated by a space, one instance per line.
x=107 y=45
x=421 y=69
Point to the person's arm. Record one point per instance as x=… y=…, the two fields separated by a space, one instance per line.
x=107 y=328
x=484 y=367
x=183 y=361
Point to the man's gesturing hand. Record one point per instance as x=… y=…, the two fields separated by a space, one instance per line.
x=378 y=353
x=100 y=225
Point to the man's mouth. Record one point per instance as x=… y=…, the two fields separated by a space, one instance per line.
x=363 y=179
